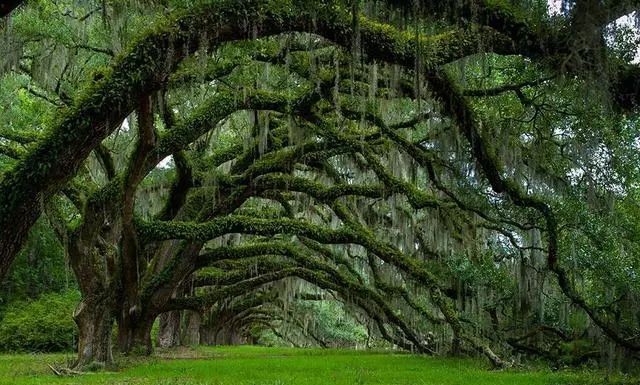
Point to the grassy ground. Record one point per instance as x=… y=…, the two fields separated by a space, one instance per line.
x=278 y=366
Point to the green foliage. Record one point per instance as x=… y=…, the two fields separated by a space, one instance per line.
x=480 y=271
x=624 y=42
x=326 y=320
x=576 y=352
x=38 y=269
x=43 y=325
x=334 y=325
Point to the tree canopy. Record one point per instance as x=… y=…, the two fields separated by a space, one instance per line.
x=462 y=176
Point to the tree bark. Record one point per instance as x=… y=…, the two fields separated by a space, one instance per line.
x=192 y=332
x=94 y=320
x=169 y=335
x=134 y=334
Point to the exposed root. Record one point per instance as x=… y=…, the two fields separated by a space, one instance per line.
x=63 y=371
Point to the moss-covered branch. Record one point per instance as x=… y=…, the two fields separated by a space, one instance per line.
x=22 y=137
x=144 y=69
x=158 y=230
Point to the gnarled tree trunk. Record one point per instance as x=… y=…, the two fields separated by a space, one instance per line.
x=94 y=319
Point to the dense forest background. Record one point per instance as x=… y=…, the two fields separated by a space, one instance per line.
x=439 y=177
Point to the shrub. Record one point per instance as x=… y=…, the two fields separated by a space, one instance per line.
x=43 y=325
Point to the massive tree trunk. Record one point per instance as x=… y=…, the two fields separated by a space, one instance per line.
x=134 y=333
x=94 y=314
x=192 y=331
x=169 y=333
x=94 y=319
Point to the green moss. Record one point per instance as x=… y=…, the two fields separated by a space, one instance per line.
x=159 y=230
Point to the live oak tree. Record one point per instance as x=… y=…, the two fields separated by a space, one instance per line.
x=462 y=174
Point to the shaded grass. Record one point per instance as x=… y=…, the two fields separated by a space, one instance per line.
x=252 y=365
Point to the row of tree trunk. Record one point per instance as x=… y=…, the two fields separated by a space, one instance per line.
x=95 y=320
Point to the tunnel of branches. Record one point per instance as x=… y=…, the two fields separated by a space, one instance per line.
x=459 y=176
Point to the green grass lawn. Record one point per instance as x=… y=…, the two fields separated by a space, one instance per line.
x=278 y=366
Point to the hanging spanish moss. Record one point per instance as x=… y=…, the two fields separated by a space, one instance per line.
x=446 y=178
